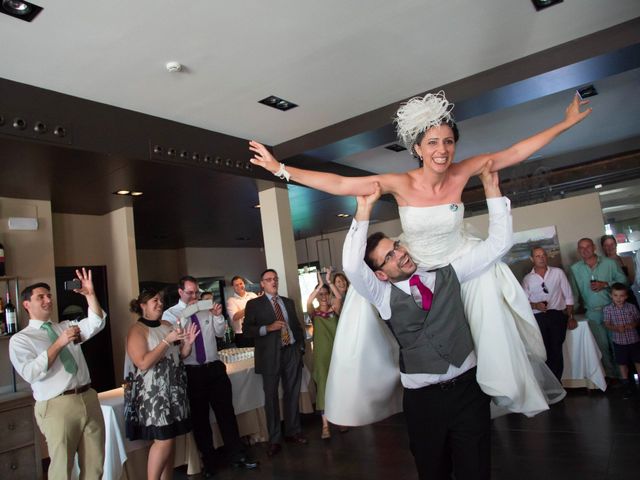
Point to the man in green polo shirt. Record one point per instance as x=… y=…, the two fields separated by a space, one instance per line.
x=591 y=279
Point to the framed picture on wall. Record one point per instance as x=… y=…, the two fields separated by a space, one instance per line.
x=518 y=258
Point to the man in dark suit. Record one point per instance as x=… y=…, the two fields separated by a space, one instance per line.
x=279 y=346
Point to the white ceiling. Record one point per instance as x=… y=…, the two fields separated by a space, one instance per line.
x=616 y=109
x=335 y=58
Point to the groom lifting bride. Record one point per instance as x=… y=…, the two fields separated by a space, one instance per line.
x=447 y=413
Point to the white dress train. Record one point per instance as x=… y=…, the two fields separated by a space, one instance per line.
x=507 y=339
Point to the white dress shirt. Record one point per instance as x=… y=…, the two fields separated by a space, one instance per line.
x=235 y=304
x=263 y=328
x=211 y=326
x=470 y=265
x=555 y=282
x=28 y=354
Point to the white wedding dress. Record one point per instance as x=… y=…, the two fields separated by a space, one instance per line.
x=364 y=379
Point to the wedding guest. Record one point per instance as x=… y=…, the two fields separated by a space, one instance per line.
x=272 y=321
x=209 y=385
x=591 y=279
x=551 y=299
x=610 y=249
x=325 y=323
x=236 y=305
x=156 y=404
x=623 y=319
x=48 y=355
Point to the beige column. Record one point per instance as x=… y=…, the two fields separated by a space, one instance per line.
x=277 y=231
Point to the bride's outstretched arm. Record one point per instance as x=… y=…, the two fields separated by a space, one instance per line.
x=523 y=149
x=327 y=182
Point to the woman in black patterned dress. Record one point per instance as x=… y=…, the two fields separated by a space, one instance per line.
x=156 y=403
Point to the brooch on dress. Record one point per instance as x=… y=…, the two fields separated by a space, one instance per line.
x=453 y=207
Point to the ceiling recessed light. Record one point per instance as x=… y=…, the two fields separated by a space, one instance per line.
x=123 y=192
x=136 y=194
x=598 y=186
x=540 y=4
x=257 y=206
x=395 y=147
x=277 y=103
x=588 y=91
x=343 y=215
x=23 y=10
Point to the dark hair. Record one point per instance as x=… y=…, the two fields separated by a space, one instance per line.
x=326 y=288
x=344 y=277
x=206 y=292
x=372 y=242
x=145 y=295
x=237 y=277
x=267 y=271
x=185 y=279
x=586 y=239
x=450 y=123
x=26 y=293
x=619 y=286
x=604 y=238
x=537 y=247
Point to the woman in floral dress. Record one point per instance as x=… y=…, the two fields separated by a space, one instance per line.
x=156 y=402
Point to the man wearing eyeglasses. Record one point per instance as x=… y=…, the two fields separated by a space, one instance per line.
x=551 y=299
x=272 y=321
x=446 y=412
x=208 y=384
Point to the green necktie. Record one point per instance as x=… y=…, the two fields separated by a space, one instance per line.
x=67 y=359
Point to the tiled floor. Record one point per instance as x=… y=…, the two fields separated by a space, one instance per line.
x=591 y=436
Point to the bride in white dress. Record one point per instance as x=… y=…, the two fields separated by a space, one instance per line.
x=363 y=381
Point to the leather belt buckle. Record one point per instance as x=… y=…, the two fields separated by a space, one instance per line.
x=448 y=384
x=77 y=390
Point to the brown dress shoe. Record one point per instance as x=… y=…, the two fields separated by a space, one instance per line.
x=296 y=438
x=274 y=449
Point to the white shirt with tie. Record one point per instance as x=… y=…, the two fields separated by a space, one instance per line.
x=211 y=326
x=28 y=354
x=472 y=264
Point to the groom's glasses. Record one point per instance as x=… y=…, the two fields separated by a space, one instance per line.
x=544 y=288
x=391 y=254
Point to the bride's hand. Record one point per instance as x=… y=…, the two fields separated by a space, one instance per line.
x=572 y=114
x=262 y=157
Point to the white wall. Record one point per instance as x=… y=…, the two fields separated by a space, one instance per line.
x=29 y=257
x=574 y=218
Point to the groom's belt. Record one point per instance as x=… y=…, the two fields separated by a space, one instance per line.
x=462 y=378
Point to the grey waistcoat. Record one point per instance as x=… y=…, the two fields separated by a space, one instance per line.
x=431 y=341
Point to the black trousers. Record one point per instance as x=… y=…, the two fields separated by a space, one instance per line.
x=449 y=429
x=553 y=327
x=291 y=375
x=209 y=386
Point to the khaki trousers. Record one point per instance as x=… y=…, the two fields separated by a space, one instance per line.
x=70 y=424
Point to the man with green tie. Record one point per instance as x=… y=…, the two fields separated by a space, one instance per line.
x=49 y=357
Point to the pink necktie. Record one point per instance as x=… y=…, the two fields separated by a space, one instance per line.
x=425 y=292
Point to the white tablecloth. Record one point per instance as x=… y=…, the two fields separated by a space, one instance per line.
x=248 y=403
x=582 y=365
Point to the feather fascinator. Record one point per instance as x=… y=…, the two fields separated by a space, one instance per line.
x=420 y=114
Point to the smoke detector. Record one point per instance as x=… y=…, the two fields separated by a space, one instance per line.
x=174 y=67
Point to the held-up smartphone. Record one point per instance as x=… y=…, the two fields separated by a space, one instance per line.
x=71 y=285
